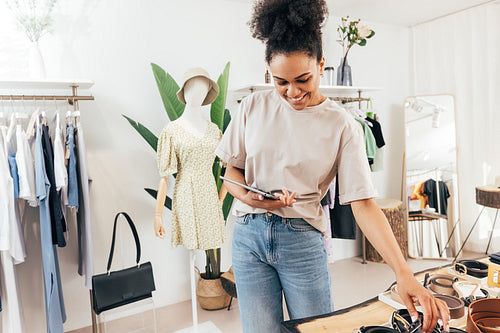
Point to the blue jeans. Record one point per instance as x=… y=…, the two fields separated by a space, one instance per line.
x=274 y=255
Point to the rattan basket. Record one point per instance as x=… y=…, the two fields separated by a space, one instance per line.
x=211 y=295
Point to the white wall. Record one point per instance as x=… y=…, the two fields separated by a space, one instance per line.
x=465 y=64
x=113 y=43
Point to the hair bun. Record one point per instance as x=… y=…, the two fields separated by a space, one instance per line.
x=284 y=20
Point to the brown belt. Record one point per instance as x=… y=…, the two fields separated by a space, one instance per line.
x=484 y=316
x=442 y=284
x=455 y=304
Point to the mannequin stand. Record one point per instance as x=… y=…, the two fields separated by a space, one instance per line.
x=205 y=327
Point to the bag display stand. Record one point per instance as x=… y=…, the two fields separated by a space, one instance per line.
x=141 y=317
x=205 y=327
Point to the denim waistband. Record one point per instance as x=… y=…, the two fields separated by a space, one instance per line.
x=269 y=217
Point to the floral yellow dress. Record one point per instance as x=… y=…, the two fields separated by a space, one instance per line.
x=197 y=219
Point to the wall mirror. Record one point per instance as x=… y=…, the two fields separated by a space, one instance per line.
x=431 y=177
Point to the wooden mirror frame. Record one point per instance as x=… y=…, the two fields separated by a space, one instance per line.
x=453 y=233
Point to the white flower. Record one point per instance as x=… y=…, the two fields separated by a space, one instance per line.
x=363 y=31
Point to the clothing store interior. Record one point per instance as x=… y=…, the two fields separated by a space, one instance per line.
x=89 y=91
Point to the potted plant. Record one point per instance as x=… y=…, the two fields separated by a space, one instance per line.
x=221 y=117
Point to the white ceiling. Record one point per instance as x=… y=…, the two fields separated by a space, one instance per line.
x=400 y=12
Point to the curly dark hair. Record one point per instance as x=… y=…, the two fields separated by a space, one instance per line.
x=288 y=26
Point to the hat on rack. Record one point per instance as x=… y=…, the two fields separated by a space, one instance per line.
x=196 y=72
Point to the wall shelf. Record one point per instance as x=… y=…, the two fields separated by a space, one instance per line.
x=45 y=84
x=48 y=86
x=342 y=94
x=329 y=91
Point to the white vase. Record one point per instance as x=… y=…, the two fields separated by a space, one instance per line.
x=36 y=66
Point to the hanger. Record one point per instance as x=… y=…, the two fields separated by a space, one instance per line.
x=76 y=115
x=43 y=114
x=35 y=119
x=370 y=112
x=21 y=115
x=357 y=113
x=2 y=115
x=69 y=119
x=10 y=130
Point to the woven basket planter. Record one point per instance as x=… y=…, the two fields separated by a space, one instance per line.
x=211 y=295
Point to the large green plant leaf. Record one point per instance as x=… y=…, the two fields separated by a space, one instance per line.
x=227 y=120
x=150 y=138
x=226 y=206
x=168 y=91
x=154 y=193
x=219 y=105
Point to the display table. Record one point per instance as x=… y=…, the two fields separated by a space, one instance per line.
x=369 y=313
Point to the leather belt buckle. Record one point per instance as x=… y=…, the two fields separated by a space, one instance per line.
x=403 y=326
x=409 y=327
x=460 y=269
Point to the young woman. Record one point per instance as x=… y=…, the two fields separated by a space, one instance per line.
x=293 y=141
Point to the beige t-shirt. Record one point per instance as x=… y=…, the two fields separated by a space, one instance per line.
x=303 y=151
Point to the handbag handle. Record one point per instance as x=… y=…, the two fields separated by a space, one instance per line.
x=136 y=237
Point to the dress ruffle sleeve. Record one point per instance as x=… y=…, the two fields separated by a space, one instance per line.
x=166 y=155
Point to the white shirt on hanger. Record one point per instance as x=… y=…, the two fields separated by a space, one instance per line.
x=11 y=246
x=6 y=185
x=59 y=164
x=26 y=168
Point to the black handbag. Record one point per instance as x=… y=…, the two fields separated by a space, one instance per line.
x=113 y=289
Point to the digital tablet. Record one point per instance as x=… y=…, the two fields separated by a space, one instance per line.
x=253 y=189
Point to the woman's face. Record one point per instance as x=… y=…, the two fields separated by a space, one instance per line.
x=296 y=78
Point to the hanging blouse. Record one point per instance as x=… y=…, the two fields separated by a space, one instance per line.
x=54 y=308
x=57 y=218
x=72 y=162
x=11 y=246
x=371 y=147
x=86 y=263
x=26 y=169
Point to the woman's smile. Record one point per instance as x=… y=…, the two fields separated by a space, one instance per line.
x=296 y=78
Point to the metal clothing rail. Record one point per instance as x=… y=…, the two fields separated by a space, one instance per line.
x=45 y=98
x=72 y=100
x=344 y=100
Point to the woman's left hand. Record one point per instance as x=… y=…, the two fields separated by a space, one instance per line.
x=411 y=291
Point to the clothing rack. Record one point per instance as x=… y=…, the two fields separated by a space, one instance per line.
x=328 y=91
x=72 y=100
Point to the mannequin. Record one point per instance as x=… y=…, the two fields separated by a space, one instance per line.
x=195 y=92
x=187 y=146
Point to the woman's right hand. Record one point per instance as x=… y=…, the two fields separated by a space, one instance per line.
x=259 y=201
x=159 y=230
